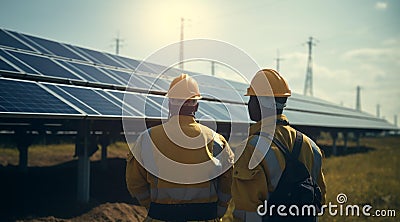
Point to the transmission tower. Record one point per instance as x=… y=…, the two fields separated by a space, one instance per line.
x=308 y=87
x=118 y=41
x=378 y=110
x=213 y=68
x=277 y=59
x=358 y=99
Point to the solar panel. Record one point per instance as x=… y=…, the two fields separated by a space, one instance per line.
x=9 y=41
x=98 y=74
x=6 y=67
x=130 y=63
x=219 y=94
x=16 y=62
x=238 y=112
x=98 y=57
x=155 y=107
x=128 y=110
x=216 y=110
x=29 y=97
x=158 y=84
x=310 y=106
x=73 y=100
x=124 y=77
x=94 y=100
x=51 y=47
x=335 y=121
x=78 y=72
x=45 y=66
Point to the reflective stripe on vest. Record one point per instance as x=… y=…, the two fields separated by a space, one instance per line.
x=272 y=162
x=147 y=156
x=317 y=160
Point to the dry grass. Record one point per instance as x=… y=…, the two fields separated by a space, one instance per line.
x=366 y=178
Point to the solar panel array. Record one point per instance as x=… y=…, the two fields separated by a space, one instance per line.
x=40 y=76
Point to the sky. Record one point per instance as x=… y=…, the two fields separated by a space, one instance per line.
x=357 y=41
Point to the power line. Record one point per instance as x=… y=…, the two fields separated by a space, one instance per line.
x=308 y=87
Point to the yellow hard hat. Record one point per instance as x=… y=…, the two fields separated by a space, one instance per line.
x=259 y=84
x=184 y=87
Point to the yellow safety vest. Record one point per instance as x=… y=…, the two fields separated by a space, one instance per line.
x=162 y=194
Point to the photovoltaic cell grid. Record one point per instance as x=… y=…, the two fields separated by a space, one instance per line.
x=9 y=41
x=29 y=97
x=66 y=69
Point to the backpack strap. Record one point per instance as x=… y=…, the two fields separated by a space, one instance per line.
x=296 y=147
x=282 y=148
x=298 y=142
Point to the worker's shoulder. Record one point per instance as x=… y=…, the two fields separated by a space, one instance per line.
x=293 y=133
x=210 y=132
x=308 y=142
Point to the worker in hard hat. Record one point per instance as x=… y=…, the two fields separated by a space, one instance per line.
x=252 y=185
x=173 y=193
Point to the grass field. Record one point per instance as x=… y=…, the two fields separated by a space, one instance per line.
x=370 y=177
x=366 y=178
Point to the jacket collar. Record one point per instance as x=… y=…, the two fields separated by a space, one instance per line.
x=265 y=124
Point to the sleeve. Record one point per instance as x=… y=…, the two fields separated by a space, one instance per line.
x=322 y=185
x=136 y=181
x=249 y=187
x=225 y=180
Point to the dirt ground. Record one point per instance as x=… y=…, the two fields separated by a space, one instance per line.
x=49 y=194
x=104 y=212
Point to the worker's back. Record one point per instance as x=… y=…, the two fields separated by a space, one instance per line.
x=163 y=196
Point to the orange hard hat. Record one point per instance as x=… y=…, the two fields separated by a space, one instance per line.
x=184 y=87
x=268 y=82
